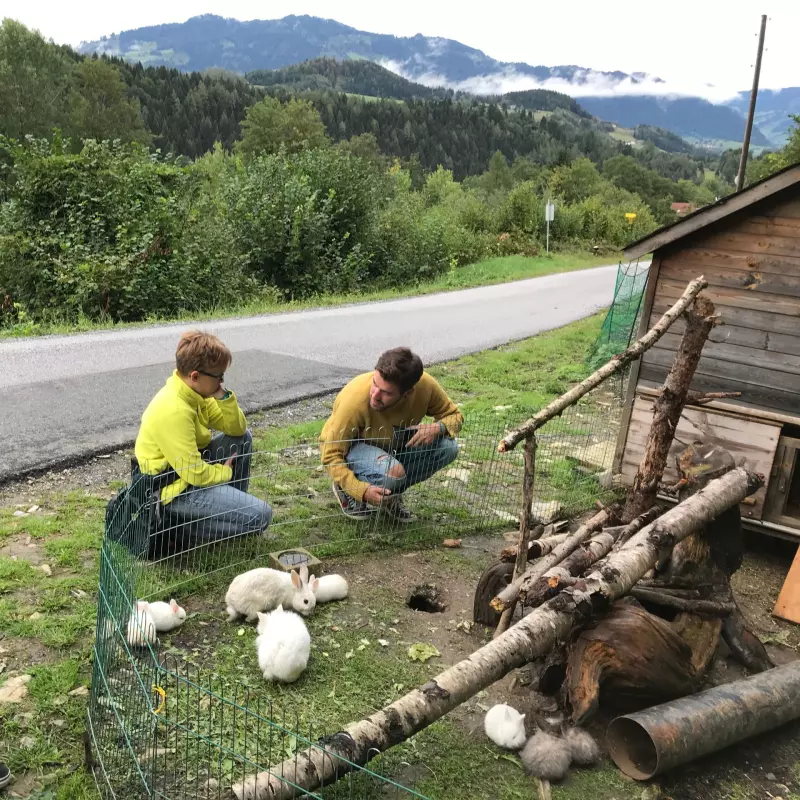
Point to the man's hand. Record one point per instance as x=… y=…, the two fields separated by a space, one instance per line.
x=426 y=434
x=374 y=494
x=229 y=462
x=220 y=393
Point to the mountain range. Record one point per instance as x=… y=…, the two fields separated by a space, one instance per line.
x=210 y=41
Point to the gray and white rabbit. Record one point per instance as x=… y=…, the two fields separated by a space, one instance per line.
x=264 y=589
x=505 y=726
x=167 y=616
x=283 y=644
x=546 y=756
x=331 y=587
x=583 y=748
x=141 y=625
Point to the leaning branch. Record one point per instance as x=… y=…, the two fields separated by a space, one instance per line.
x=618 y=363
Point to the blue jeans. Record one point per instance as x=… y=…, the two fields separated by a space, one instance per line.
x=371 y=464
x=209 y=513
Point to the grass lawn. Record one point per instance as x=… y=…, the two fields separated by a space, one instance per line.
x=483 y=273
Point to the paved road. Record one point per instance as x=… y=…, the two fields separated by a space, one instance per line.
x=66 y=397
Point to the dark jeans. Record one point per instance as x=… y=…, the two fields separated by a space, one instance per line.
x=210 y=513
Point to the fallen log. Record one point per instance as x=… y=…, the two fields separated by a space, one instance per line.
x=536 y=548
x=616 y=364
x=668 y=407
x=509 y=595
x=532 y=637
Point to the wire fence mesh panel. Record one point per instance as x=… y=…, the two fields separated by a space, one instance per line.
x=165 y=723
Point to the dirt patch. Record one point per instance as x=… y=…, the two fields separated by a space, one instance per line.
x=23 y=548
x=21 y=654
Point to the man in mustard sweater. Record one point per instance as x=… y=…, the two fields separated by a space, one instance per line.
x=375 y=445
x=207 y=476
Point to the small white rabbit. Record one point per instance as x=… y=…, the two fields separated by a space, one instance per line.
x=331 y=587
x=283 y=644
x=546 y=757
x=505 y=726
x=263 y=589
x=167 y=616
x=141 y=625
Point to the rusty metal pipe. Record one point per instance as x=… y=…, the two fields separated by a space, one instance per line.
x=657 y=739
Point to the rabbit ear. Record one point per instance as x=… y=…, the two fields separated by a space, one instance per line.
x=280 y=607
x=173 y=604
x=296 y=582
x=304 y=573
x=314 y=584
x=261 y=615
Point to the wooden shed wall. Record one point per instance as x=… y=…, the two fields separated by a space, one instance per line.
x=752 y=264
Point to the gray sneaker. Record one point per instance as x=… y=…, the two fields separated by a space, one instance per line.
x=5 y=776
x=395 y=509
x=349 y=505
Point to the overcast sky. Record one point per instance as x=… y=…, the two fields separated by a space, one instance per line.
x=688 y=44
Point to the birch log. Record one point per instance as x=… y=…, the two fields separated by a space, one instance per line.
x=556 y=556
x=532 y=637
x=618 y=363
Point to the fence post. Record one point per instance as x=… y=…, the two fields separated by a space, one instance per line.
x=521 y=564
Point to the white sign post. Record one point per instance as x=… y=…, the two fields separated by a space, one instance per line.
x=549 y=215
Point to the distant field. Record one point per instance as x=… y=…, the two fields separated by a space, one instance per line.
x=623 y=135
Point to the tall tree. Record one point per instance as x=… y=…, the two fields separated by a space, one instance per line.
x=270 y=125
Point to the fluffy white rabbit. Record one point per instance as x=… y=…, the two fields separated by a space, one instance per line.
x=167 y=616
x=283 y=644
x=141 y=625
x=263 y=589
x=505 y=726
x=331 y=587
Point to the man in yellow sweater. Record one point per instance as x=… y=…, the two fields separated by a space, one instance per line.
x=206 y=476
x=375 y=445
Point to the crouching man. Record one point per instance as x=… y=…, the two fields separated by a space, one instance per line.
x=205 y=478
x=375 y=444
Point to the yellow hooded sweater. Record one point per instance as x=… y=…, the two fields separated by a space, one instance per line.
x=175 y=428
x=354 y=419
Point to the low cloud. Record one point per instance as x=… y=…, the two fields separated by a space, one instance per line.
x=585 y=83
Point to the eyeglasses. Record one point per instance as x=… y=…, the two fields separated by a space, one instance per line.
x=212 y=375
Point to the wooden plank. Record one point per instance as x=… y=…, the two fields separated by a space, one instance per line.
x=702 y=257
x=733 y=334
x=743 y=317
x=781 y=343
x=788 y=604
x=730 y=407
x=754 y=243
x=789 y=207
x=768 y=188
x=771 y=303
x=736 y=354
x=770 y=226
x=739 y=279
x=758 y=396
x=751 y=443
x=746 y=374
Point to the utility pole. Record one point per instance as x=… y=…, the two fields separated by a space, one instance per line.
x=751 y=112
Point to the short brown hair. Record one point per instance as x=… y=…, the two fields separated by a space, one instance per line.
x=198 y=350
x=401 y=367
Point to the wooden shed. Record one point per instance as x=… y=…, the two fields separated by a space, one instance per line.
x=747 y=246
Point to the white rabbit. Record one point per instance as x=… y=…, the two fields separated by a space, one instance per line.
x=546 y=757
x=141 y=625
x=263 y=589
x=331 y=587
x=167 y=616
x=283 y=644
x=505 y=726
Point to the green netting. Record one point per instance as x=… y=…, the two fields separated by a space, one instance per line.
x=620 y=324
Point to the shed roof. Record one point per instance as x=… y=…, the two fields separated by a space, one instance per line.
x=784 y=179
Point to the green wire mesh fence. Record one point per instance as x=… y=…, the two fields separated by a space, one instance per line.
x=622 y=320
x=163 y=724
